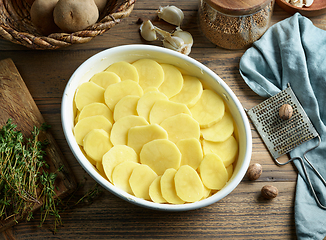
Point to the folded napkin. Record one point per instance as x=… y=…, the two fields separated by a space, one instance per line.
x=294 y=51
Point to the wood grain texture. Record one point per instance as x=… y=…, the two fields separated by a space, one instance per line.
x=17 y=104
x=241 y=215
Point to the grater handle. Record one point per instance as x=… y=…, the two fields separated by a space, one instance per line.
x=306 y=174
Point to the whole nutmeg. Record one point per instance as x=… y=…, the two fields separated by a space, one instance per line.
x=269 y=192
x=254 y=171
x=286 y=111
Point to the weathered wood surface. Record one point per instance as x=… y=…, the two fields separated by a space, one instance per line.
x=241 y=215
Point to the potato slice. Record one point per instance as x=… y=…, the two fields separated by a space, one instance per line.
x=105 y=79
x=96 y=143
x=151 y=89
x=140 y=135
x=115 y=92
x=168 y=187
x=209 y=109
x=188 y=184
x=87 y=93
x=120 y=128
x=147 y=101
x=162 y=109
x=126 y=107
x=140 y=180
x=160 y=154
x=227 y=150
x=181 y=126
x=213 y=172
x=92 y=161
x=229 y=169
x=115 y=156
x=155 y=191
x=100 y=169
x=220 y=131
x=124 y=70
x=94 y=109
x=121 y=174
x=150 y=73
x=190 y=93
x=173 y=81
x=85 y=125
x=191 y=152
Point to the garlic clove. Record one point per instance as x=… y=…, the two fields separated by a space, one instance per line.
x=308 y=3
x=174 y=43
x=186 y=36
x=171 y=14
x=147 y=31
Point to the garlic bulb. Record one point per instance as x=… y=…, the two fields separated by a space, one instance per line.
x=300 y=3
x=147 y=31
x=171 y=14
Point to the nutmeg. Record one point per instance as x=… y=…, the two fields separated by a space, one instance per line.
x=286 y=111
x=269 y=192
x=254 y=171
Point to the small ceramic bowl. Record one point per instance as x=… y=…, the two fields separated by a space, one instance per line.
x=130 y=53
x=317 y=8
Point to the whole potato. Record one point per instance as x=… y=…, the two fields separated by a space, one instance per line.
x=75 y=15
x=100 y=4
x=42 y=16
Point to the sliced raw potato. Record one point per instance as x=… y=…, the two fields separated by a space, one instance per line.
x=150 y=73
x=87 y=93
x=92 y=161
x=188 y=184
x=100 y=169
x=168 y=187
x=115 y=92
x=140 y=180
x=94 y=109
x=162 y=109
x=160 y=154
x=121 y=174
x=105 y=79
x=181 y=126
x=173 y=81
x=125 y=107
x=115 y=156
x=85 y=125
x=140 y=135
x=207 y=192
x=220 y=131
x=96 y=143
x=155 y=191
x=213 y=172
x=209 y=109
x=191 y=152
x=229 y=169
x=147 y=101
x=124 y=70
x=119 y=132
x=190 y=92
x=227 y=150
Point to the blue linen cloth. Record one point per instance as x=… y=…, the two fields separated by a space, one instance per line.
x=294 y=51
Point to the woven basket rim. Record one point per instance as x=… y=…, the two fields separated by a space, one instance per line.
x=12 y=13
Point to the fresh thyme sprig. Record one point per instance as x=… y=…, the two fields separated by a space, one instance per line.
x=24 y=179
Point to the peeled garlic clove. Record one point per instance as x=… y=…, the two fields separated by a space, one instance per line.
x=171 y=14
x=147 y=31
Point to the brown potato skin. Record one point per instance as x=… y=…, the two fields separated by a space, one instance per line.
x=42 y=16
x=75 y=15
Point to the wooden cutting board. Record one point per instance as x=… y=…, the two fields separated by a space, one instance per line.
x=17 y=103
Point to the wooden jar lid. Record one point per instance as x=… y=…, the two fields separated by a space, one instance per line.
x=238 y=7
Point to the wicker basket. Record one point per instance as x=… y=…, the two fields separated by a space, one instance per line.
x=16 y=26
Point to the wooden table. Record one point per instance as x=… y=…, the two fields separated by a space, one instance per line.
x=243 y=214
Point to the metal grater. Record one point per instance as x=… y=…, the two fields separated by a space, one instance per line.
x=281 y=136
